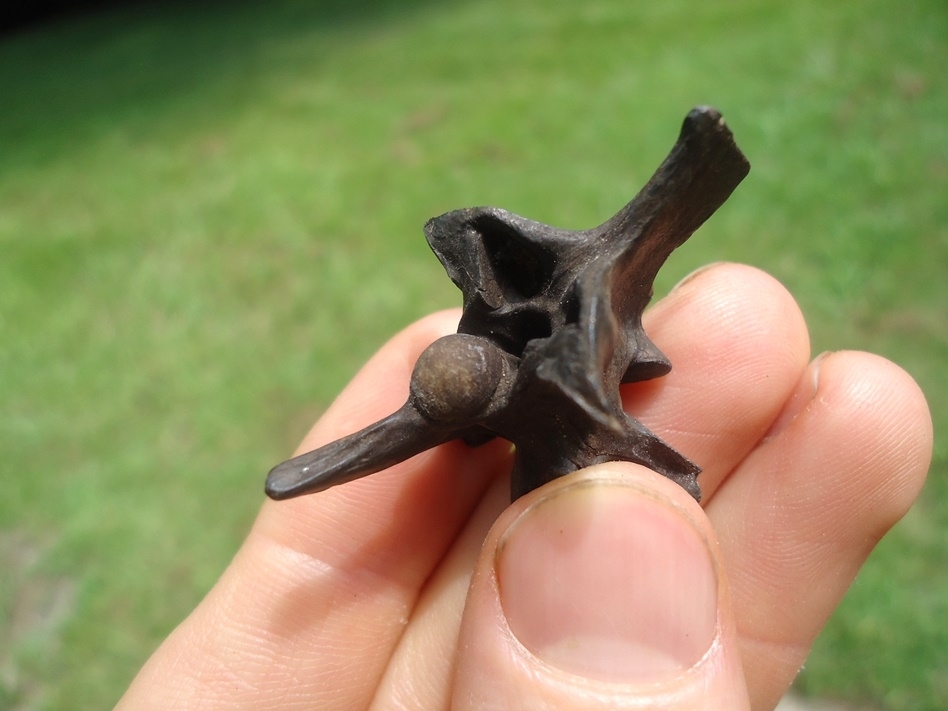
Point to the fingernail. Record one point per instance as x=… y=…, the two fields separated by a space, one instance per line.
x=806 y=390
x=610 y=582
x=697 y=272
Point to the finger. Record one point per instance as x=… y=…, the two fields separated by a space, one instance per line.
x=602 y=590
x=324 y=580
x=421 y=668
x=844 y=462
x=738 y=344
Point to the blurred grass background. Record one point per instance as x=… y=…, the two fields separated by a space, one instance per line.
x=210 y=215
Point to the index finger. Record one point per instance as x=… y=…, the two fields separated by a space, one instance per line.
x=325 y=579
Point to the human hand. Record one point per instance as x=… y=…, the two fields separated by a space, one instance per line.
x=421 y=588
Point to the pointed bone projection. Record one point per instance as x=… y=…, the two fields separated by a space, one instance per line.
x=552 y=325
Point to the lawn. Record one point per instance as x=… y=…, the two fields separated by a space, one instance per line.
x=210 y=215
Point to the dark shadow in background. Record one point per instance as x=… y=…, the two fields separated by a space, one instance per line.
x=68 y=74
x=19 y=16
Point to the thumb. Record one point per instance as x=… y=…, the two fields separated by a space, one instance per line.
x=602 y=590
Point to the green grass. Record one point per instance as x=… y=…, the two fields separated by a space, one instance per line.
x=209 y=217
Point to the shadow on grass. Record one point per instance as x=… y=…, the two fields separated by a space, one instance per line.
x=81 y=73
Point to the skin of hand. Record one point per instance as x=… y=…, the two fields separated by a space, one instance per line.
x=421 y=587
